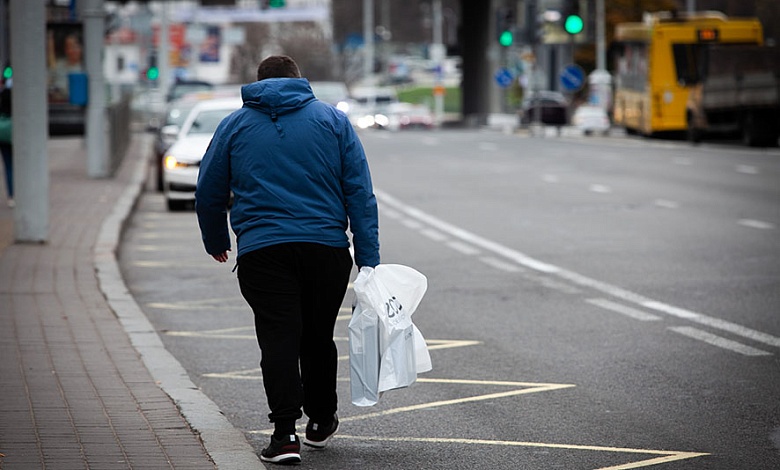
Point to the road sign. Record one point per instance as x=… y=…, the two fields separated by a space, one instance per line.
x=572 y=78
x=503 y=77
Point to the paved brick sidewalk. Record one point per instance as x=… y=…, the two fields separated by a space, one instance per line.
x=76 y=386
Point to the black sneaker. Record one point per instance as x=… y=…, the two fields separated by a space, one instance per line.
x=317 y=435
x=284 y=451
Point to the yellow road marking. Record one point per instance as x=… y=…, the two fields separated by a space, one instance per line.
x=668 y=456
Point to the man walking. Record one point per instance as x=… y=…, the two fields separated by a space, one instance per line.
x=299 y=177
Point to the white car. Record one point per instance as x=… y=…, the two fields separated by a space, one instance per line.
x=591 y=119
x=182 y=159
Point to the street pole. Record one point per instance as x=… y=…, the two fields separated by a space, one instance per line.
x=439 y=52
x=164 y=53
x=30 y=118
x=600 y=79
x=368 y=41
x=94 y=31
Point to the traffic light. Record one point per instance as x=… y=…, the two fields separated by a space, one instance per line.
x=152 y=72
x=505 y=26
x=572 y=20
x=506 y=38
x=276 y=3
x=8 y=72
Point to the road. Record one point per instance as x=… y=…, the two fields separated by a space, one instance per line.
x=593 y=303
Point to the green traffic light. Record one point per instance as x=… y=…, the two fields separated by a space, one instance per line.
x=153 y=73
x=276 y=3
x=505 y=39
x=8 y=72
x=573 y=24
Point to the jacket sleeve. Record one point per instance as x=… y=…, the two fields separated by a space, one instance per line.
x=212 y=193
x=360 y=199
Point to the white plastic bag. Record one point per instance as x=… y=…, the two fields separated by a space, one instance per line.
x=387 y=351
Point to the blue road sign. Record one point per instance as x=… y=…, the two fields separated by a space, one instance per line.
x=503 y=77
x=572 y=78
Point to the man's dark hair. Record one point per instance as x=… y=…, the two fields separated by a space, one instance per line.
x=278 y=66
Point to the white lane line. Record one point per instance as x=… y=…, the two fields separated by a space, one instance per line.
x=502 y=265
x=666 y=204
x=434 y=234
x=717 y=323
x=624 y=310
x=490 y=146
x=390 y=213
x=578 y=279
x=550 y=178
x=747 y=169
x=682 y=161
x=412 y=224
x=464 y=248
x=718 y=341
x=600 y=188
x=753 y=223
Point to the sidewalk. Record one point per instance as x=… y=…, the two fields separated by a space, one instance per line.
x=85 y=381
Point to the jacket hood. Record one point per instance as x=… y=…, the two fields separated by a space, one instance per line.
x=277 y=96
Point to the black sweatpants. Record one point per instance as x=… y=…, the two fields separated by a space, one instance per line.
x=295 y=291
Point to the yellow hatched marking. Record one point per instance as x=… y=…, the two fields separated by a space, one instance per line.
x=667 y=456
x=664 y=456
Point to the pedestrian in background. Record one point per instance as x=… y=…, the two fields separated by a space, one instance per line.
x=299 y=177
x=6 y=147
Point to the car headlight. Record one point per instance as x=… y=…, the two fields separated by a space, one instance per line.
x=381 y=120
x=172 y=163
x=365 y=122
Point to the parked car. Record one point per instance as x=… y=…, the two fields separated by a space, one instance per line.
x=180 y=88
x=370 y=108
x=148 y=107
x=545 y=107
x=590 y=119
x=182 y=159
x=174 y=116
x=409 y=116
x=335 y=93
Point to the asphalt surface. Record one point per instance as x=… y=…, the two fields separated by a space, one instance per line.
x=593 y=303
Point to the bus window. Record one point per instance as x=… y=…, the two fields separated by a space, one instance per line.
x=688 y=64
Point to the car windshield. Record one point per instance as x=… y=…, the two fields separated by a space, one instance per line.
x=181 y=89
x=330 y=92
x=177 y=114
x=206 y=121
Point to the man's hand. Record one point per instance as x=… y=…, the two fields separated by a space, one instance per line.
x=221 y=257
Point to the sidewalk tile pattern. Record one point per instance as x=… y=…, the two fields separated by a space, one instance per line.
x=74 y=393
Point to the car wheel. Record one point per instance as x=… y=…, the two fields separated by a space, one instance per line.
x=175 y=205
x=160 y=182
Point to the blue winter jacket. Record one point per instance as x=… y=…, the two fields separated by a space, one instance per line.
x=297 y=171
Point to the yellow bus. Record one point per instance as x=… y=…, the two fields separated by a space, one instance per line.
x=649 y=95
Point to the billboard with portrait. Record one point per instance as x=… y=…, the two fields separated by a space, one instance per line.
x=64 y=56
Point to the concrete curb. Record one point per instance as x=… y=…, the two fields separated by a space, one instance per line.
x=226 y=445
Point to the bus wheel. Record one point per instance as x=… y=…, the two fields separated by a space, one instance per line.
x=749 y=131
